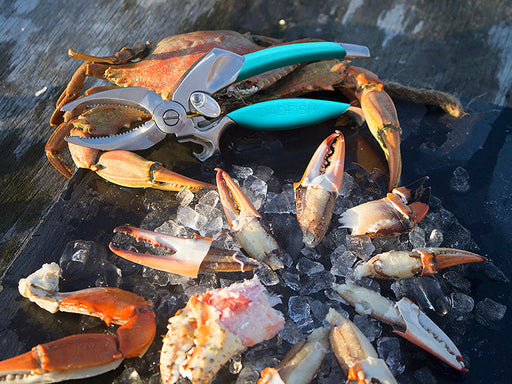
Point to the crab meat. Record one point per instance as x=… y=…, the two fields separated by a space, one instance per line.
x=316 y=192
x=418 y=262
x=184 y=257
x=355 y=354
x=301 y=363
x=213 y=327
x=245 y=224
x=82 y=355
x=406 y=319
x=397 y=213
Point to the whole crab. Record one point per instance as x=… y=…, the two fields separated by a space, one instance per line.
x=160 y=66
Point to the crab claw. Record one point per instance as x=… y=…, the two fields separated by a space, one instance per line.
x=214 y=326
x=355 y=354
x=244 y=221
x=84 y=355
x=381 y=117
x=184 y=256
x=301 y=363
x=418 y=262
x=407 y=320
x=316 y=192
x=130 y=170
x=397 y=213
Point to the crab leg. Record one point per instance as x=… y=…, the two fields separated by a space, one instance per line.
x=186 y=256
x=83 y=355
x=407 y=320
x=381 y=117
x=316 y=192
x=301 y=363
x=418 y=262
x=355 y=354
x=397 y=213
x=244 y=221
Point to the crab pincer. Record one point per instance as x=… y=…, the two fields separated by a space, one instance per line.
x=82 y=355
x=214 y=326
x=301 y=363
x=397 y=213
x=355 y=354
x=406 y=319
x=316 y=192
x=181 y=255
x=245 y=224
x=418 y=262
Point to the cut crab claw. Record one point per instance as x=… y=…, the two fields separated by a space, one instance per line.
x=397 y=213
x=212 y=327
x=82 y=355
x=355 y=354
x=301 y=363
x=418 y=262
x=406 y=319
x=184 y=256
x=244 y=221
x=316 y=192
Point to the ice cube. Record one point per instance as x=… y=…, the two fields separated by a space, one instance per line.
x=435 y=239
x=267 y=276
x=306 y=266
x=256 y=190
x=210 y=198
x=280 y=203
x=370 y=327
x=462 y=305
x=264 y=173
x=291 y=333
x=389 y=350
x=185 y=196
x=291 y=280
x=190 y=218
x=489 y=311
x=456 y=280
x=417 y=237
x=299 y=311
x=360 y=246
x=240 y=172
x=316 y=282
x=342 y=263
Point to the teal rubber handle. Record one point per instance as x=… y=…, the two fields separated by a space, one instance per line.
x=283 y=55
x=281 y=114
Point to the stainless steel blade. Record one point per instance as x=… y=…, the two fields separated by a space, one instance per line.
x=139 y=138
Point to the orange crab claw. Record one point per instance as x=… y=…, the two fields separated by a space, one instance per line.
x=381 y=117
x=354 y=352
x=391 y=215
x=418 y=262
x=244 y=221
x=316 y=192
x=84 y=355
x=184 y=256
x=130 y=170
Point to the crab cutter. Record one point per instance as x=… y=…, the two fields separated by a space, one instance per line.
x=192 y=113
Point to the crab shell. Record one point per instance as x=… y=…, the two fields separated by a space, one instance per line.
x=215 y=326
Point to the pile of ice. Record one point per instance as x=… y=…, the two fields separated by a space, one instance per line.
x=304 y=285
